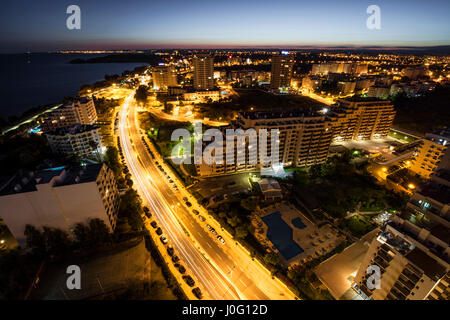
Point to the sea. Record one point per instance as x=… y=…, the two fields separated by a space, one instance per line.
x=30 y=80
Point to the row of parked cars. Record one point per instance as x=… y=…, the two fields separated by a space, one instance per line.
x=175 y=259
x=214 y=232
x=202 y=219
x=172 y=183
x=147 y=147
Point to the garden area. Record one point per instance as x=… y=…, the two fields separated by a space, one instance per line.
x=340 y=186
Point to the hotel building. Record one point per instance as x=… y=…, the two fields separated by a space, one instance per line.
x=203 y=71
x=81 y=111
x=82 y=141
x=357 y=118
x=413 y=250
x=304 y=139
x=432 y=153
x=59 y=198
x=281 y=71
x=164 y=77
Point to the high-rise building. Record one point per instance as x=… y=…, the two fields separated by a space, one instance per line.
x=80 y=111
x=304 y=139
x=412 y=252
x=432 y=154
x=59 y=198
x=82 y=141
x=281 y=71
x=203 y=71
x=164 y=76
x=357 y=118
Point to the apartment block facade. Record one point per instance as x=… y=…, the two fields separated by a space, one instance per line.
x=59 y=198
x=303 y=140
x=80 y=111
x=432 y=154
x=164 y=77
x=83 y=141
x=413 y=249
x=358 y=118
x=203 y=71
x=281 y=71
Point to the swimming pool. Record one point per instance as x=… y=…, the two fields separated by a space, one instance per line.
x=280 y=233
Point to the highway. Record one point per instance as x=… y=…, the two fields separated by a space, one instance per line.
x=222 y=271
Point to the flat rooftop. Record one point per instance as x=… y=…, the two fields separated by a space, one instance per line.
x=279 y=114
x=429 y=266
x=61 y=176
x=364 y=99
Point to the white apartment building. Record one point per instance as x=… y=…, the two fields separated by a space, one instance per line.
x=357 y=118
x=163 y=77
x=413 y=249
x=82 y=141
x=304 y=140
x=432 y=154
x=59 y=198
x=80 y=111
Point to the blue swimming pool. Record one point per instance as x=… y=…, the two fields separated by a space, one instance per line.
x=280 y=233
x=298 y=223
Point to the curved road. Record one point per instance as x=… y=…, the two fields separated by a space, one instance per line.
x=222 y=271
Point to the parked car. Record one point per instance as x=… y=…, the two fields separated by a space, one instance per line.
x=153 y=224
x=182 y=269
x=175 y=259
x=188 y=279
x=188 y=204
x=221 y=240
x=195 y=212
x=201 y=218
x=208 y=227
x=197 y=293
x=147 y=212
x=185 y=199
x=163 y=239
x=170 y=250
x=159 y=231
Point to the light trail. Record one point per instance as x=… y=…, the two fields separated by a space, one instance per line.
x=164 y=213
x=207 y=260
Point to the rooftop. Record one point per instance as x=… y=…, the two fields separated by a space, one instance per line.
x=364 y=99
x=61 y=176
x=279 y=114
x=429 y=266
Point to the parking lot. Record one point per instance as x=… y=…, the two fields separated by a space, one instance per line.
x=221 y=186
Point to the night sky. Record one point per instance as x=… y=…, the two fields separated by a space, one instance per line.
x=30 y=25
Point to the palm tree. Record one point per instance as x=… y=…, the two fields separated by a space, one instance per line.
x=94 y=146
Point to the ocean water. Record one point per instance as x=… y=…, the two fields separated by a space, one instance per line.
x=35 y=79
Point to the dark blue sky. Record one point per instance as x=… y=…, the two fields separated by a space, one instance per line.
x=40 y=25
